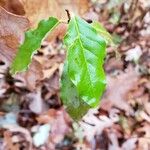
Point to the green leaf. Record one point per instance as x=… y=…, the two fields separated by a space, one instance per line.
x=103 y=32
x=75 y=106
x=32 y=42
x=85 y=56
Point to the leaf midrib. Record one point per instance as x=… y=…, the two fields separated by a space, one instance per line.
x=78 y=37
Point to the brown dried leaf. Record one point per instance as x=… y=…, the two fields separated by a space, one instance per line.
x=79 y=7
x=58 y=120
x=32 y=75
x=37 y=104
x=13 y=6
x=9 y=142
x=25 y=132
x=118 y=88
x=93 y=125
x=144 y=142
x=35 y=10
x=12 y=28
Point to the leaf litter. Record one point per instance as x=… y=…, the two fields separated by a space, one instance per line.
x=122 y=121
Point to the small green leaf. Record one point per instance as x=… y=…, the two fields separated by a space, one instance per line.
x=32 y=42
x=103 y=32
x=85 y=57
x=76 y=107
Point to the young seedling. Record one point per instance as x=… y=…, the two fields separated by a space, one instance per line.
x=83 y=80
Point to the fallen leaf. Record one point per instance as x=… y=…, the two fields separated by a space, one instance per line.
x=41 y=136
x=37 y=103
x=147 y=107
x=30 y=78
x=59 y=32
x=25 y=132
x=91 y=15
x=144 y=141
x=129 y=144
x=35 y=10
x=118 y=87
x=58 y=120
x=13 y=6
x=49 y=72
x=93 y=125
x=9 y=143
x=134 y=54
x=113 y=145
x=50 y=61
x=144 y=116
x=12 y=28
x=79 y=7
x=113 y=64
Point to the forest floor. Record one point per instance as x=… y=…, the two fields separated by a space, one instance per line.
x=32 y=113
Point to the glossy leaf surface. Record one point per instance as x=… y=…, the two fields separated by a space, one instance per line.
x=32 y=42
x=85 y=57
